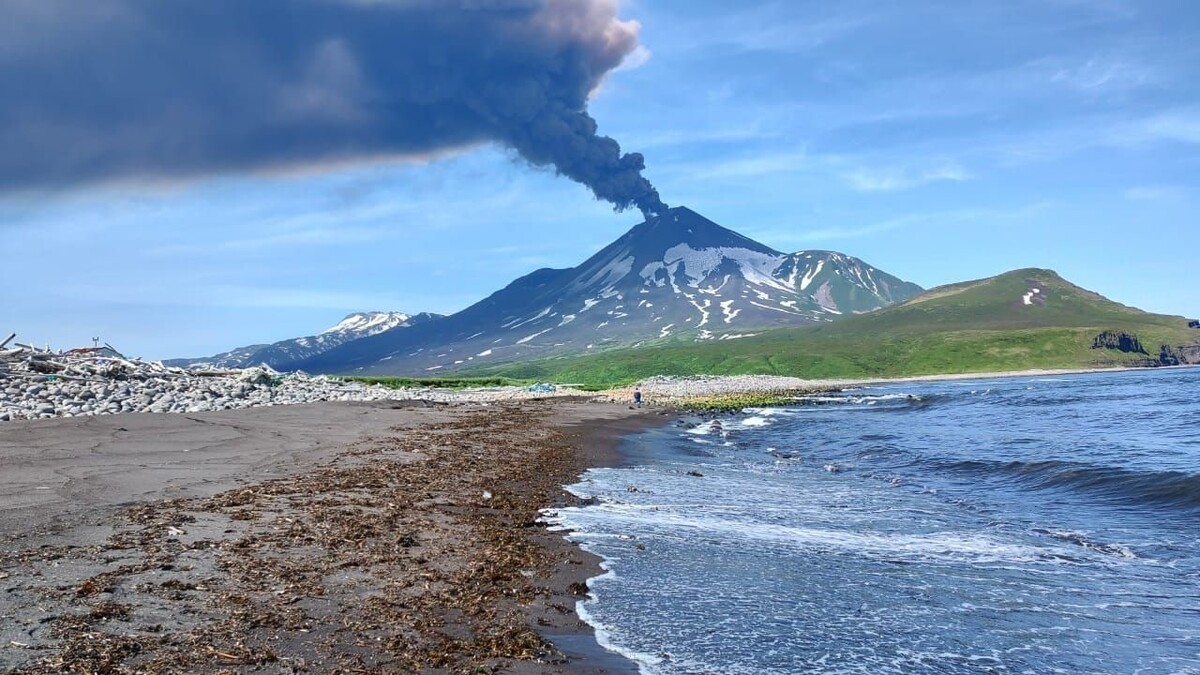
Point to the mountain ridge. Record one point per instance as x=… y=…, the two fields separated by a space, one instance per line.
x=278 y=354
x=676 y=276
x=1029 y=318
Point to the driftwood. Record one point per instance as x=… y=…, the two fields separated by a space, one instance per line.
x=46 y=366
x=7 y=340
x=84 y=365
x=214 y=373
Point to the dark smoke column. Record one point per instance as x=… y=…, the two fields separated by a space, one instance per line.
x=112 y=89
x=543 y=115
x=568 y=140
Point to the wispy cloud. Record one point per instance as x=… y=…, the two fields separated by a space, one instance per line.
x=892 y=179
x=756 y=32
x=853 y=232
x=791 y=236
x=305 y=298
x=750 y=167
x=235 y=295
x=1111 y=9
x=1181 y=125
x=769 y=26
x=680 y=137
x=1096 y=74
x=1178 y=125
x=1152 y=193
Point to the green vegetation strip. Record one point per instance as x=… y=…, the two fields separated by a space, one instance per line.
x=441 y=382
x=726 y=403
x=975 y=327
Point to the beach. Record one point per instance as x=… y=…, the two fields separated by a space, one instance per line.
x=349 y=537
x=391 y=535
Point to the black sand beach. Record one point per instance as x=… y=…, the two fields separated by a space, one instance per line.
x=373 y=537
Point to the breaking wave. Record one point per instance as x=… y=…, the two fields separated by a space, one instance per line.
x=1176 y=489
x=844 y=399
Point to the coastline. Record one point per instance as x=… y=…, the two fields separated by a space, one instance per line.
x=387 y=534
x=596 y=441
x=680 y=390
x=302 y=538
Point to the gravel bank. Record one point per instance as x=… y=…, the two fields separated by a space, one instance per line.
x=144 y=387
x=666 y=390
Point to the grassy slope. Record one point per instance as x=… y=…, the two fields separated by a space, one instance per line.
x=978 y=326
x=439 y=382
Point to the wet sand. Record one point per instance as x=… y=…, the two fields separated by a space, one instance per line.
x=370 y=537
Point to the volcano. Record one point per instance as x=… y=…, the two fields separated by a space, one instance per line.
x=676 y=276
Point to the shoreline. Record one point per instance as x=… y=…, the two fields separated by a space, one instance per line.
x=53 y=400
x=680 y=390
x=295 y=535
x=303 y=538
x=597 y=442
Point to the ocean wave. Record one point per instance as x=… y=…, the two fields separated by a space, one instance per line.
x=604 y=634
x=1083 y=540
x=903 y=399
x=753 y=419
x=709 y=427
x=1160 y=488
x=653 y=522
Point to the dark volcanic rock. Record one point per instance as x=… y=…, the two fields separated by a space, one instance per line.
x=1189 y=353
x=1121 y=341
x=1179 y=355
x=1169 y=356
x=1194 y=323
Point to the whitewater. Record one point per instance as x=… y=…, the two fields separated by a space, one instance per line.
x=985 y=526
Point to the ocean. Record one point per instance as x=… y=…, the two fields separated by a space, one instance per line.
x=1016 y=525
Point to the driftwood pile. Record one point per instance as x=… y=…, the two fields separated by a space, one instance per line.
x=38 y=383
x=84 y=364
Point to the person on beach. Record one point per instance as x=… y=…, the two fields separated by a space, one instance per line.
x=637 y=397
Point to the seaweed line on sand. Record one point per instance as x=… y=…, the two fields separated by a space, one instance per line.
x=411 y=553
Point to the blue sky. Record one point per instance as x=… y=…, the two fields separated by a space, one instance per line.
x=940 y=141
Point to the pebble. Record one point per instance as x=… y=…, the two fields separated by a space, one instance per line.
x=667 y=389
x=176 y=393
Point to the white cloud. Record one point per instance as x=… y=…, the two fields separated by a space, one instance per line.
x=853 y=232
x=1181 y=125
x=1143 y=193
x=1096 y=74
x=952 y=218
x=773 y=27
x=750 y=167
x=891 y=179
x=639 y=57
x=683 y=137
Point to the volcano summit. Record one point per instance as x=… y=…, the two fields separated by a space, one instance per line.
x=676 y=276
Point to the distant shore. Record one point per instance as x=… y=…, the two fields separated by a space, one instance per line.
x=672 y=391
x=315 y=538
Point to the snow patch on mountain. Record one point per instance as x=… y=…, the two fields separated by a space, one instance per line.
x=367 y=323
x=280 y=354
x=811 y=274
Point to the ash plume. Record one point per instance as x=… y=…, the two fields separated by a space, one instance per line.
x=151 y=89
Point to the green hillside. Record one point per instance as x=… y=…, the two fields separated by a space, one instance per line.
x=1029 y=318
